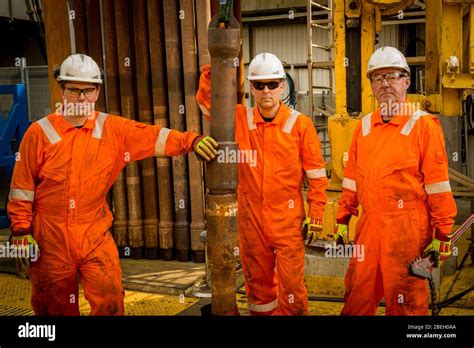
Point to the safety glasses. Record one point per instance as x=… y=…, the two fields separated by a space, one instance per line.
x=261 y=85
x=390 y=78
x=76 y=92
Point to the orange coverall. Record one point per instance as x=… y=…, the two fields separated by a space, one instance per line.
x=58 y=193
x=270 y=202
x=398 y=172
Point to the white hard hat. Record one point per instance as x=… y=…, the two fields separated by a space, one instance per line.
x=266 y=66
x=80 y=68
x=387 y=57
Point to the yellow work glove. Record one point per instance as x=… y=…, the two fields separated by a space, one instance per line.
x=205 y=148
x=440 y=247
x=341 y=234
x=312 y=227
x=24 y=245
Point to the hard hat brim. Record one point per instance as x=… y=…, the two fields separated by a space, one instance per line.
x=77 y=79
x=266 y=77
x=370 y=71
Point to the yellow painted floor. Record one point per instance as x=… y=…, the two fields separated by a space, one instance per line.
x=15 y=297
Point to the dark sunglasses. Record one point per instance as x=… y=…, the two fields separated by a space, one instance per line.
x=261 y=85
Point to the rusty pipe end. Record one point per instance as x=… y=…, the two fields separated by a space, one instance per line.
x=224 y=42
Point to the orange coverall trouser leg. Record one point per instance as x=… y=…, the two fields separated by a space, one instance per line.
x=390 y=241
x=268 y=242
x=54 y=277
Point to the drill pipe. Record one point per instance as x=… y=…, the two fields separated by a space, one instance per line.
x=177 y=121
x=113 y=90
x=190 y=66
x=160 y=114
x=221 y=201
x=94 y=41
x=142 y=78
x=125 y=65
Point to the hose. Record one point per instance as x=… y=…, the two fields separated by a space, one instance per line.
x=469 y=112
x=226 y=11
x=437 y=306
x=454 y=298
x=290 y=99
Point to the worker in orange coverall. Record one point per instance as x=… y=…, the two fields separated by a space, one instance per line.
x=285 y=148
x=67 y=163
x=398 y=172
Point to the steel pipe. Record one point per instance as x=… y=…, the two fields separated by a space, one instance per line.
x=177 y=121
x=124 y=55
x=142 y=80
x=190 y=69
x=160 y=115
x=221 y=200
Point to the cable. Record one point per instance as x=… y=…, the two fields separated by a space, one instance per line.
x=226 y=11
x=290 y=99
x=41 y=36
x=454 y=298
x=438 y=305
x=469 y=112
x=39 y=14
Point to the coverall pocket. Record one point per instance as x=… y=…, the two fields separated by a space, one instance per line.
x=287 y=217
x=97 y=181
x=400 y=181
x=402 y=165
x=103 y=165
x=52 y=186
x=54 y=175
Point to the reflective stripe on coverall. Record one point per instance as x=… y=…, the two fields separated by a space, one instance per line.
x=398 y=172
x=58 y=194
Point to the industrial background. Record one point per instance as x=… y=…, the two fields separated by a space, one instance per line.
x=152 y=52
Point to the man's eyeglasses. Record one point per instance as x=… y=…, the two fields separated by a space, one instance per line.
x=76 y=92
x=390 y=78
x=261 y=85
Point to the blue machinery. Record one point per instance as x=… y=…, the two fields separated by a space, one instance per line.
x=12 y=128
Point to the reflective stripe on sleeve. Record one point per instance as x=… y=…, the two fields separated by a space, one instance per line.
x=316 y=173
x=22 y=195
x=161 y=141
x=438 y=187
x=349 y=184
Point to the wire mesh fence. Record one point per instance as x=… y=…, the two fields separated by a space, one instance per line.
x=37 y=89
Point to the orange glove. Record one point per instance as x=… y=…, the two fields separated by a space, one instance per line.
x=203 y=95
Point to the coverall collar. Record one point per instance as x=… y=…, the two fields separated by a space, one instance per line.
x=65 y=125
x=377 y=119
x=279 y=117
